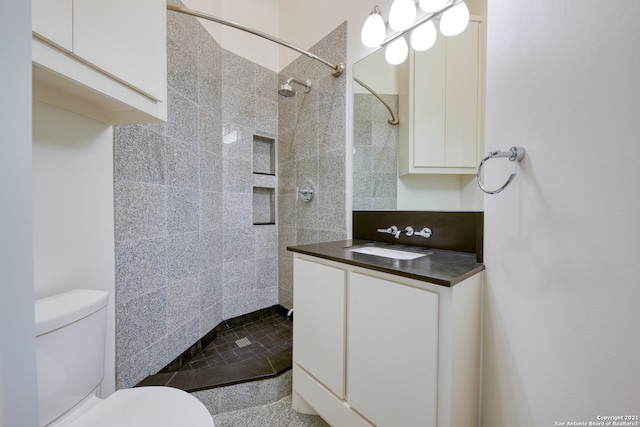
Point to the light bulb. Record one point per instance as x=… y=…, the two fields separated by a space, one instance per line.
x=402 y=14
x=396 y=51
x=423 y=37
x=455 y=20
x=432 y=5
x=373 y=30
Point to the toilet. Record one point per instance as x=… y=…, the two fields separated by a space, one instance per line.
x=70 y=351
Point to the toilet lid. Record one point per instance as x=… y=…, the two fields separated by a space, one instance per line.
x=147 y=406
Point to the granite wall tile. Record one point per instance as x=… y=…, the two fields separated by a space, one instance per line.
x=139 y=154
x=141 y=322
x=141 y=267
x=239 y=277
x=182 y=118
x=210 y=210
x=140 y=210
x=183 y=164
x=182 y=298
x=183 y=210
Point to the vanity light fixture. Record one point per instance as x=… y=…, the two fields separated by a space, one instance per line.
x=402 y=20
x=374 y=29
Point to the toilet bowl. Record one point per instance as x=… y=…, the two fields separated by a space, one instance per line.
x=70 y=344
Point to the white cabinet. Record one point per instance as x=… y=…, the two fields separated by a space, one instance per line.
x=375 y=349
x=320 y=294
x=102 y=59
x=392 y=373
x=441 y=104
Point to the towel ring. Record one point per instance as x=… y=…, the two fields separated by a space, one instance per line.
x=514 y=154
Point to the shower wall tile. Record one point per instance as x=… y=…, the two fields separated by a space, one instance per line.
x=211 y=288
x=266 y=241
x=268 y=277
x=139 y=154
x=183 y=118
x=306 y=140
x=332 y=131
x=183 y=210
x=183 y=255
x=182 y=66
x=266 y=119
x=132 y=370
x=239 y=277
x=266 y=83
x=183 y=337
x=210 y=132
x=332 y=171
x=182 y=297
x=238 y=142
x=286 y=146
x=236 y=175
x=239 y=244
x=237 y=210
x=210 y=210
x=182 y=164
x=141 y=267
x=238 y=72
x=139 y=210
x=210 y=171
x=146 y=313
x=211 y=248
x=286 y=209
x=331 y=211
x=209 y=72
x=238 y=106
x=211 y=317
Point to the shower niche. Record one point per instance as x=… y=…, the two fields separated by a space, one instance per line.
x=264 y=180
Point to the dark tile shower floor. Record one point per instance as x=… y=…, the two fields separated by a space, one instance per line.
x=252 y=350
x=258 y=339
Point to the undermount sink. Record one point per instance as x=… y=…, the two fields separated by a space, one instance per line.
x=387 y=253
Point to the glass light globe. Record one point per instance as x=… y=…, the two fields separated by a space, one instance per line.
x=396 y=51
x=455 y=20
x=432 y=5
x=402 y=14
x=423 y=37
x=373 y=30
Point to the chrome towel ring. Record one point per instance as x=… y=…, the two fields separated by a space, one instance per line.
x=514 y=154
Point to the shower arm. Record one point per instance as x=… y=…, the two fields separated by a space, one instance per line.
x=338 y=68
x=393 y=120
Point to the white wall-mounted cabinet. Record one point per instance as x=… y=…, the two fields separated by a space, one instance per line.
x=441 y=104
x=105 y=60
x=375 y=349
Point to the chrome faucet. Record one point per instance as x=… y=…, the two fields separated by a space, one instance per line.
x=425 y=232
x=393 y=230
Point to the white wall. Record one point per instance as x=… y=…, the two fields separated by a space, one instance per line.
x=562 y=242
x=258 y=15
x=73 y=225
x=18 y=394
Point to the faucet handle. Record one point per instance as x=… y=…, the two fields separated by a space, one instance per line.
x=425 y=232
x=391 y=230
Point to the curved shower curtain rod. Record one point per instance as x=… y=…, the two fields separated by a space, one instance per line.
x=337 y=68
x=393 y=120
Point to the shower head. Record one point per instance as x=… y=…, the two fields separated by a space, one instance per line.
x=287 y=90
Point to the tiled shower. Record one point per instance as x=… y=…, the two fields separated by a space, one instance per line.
x=188 y=254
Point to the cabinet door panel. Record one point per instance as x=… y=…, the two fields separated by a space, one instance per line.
x=53 y=21
x=462 y=98
x=429 y=98
x=122 y=38
x=392 y=352
x=319 y=327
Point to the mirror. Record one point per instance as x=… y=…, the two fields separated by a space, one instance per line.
x=383 y=174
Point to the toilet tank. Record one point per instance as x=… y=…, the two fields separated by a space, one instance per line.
x=70 y=345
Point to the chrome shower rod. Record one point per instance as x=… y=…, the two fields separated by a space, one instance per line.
x=337 y=68
x=393 y=120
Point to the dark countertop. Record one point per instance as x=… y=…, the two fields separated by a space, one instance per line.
x=439 y=266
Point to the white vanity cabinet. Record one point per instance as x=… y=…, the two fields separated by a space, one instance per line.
x=440 y=105
x=102 y=59
x=376 y=349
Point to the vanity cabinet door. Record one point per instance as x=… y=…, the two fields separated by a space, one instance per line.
x=392 y=347
x=319 y=326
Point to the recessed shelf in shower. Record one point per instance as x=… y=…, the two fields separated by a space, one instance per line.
x=264 y=158
x=264 y=206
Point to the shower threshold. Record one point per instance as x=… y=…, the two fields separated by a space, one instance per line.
x=252 y=347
